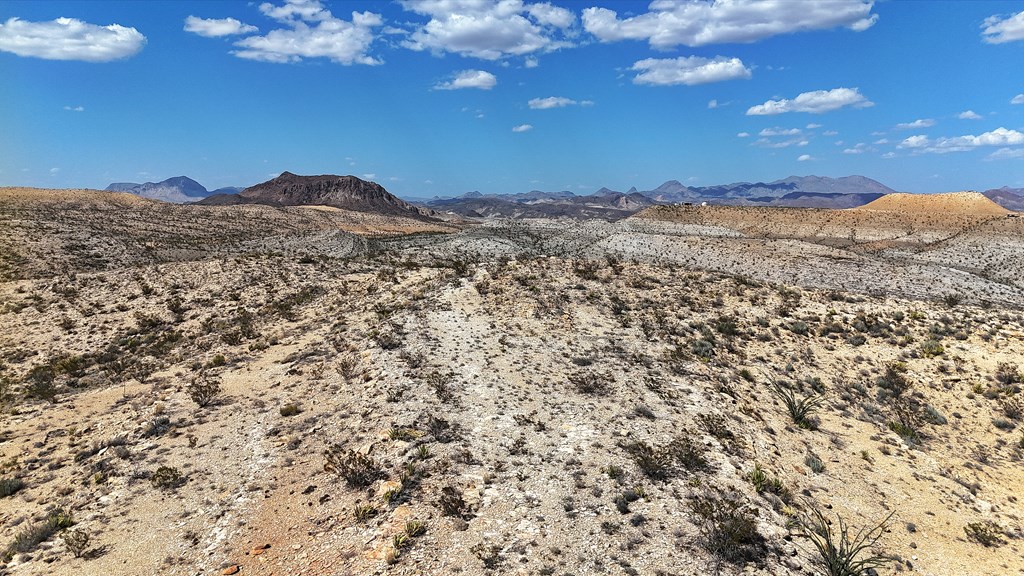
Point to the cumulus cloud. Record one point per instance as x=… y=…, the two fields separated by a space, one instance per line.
x=489 y=30
x=813 y=126
x=815 y=102
x=804 y=158
x=70 y=39
x=672 y=23
x=998 y=137
x=920 y=123
x=469 y=79
x=214 y=27
x=551 y=102
x=522 y=128
x=311 y=31
x=712 y=104
x=75 y=108
x=858 y=148
x=969 y=115
x=688 y=70
x=1006 y=154
x=743 y=135
x=779 y=132
x=999 y=29
x=1018 y=99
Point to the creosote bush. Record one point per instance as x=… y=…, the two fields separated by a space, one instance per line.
x=28 y=538
x=203 y=390
x=728 y=528
x=357 y=469
x=167 y=478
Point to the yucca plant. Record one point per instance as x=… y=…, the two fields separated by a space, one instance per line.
x=800 y=409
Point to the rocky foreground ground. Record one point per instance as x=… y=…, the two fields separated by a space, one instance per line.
x=503 y=400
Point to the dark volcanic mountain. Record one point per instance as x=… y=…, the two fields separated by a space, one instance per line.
x=179 y=189
x=1009 y=198
x=347 y=192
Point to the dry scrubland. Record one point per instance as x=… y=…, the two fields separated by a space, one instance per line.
x=674 y=393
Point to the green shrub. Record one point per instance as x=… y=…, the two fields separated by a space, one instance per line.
x=9 y=486
x=800 y=409
x=987 y=533
x=167 y=478
x=28 y=538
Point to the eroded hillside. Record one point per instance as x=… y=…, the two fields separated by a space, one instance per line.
x=434 y=407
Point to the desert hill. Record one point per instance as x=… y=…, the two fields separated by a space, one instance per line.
x=347 y=192
x=669 y=394
x=965 y=203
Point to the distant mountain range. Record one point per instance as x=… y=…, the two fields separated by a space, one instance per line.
x=1009 y=198
x=179 y=190
x=352 y=193
x=795 y=191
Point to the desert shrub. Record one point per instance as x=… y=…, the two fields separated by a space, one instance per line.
x=814 y=463
x=1008 y=374
x=952 y=299
x=799 y=327
x=800 y=409
x=451 y=503
x=290 y=409
x=931 y=348
x=663 y=462
x=28 y=538
x=987 y=533
x=364 y=512
x=591 y=383
x=356 y=468
x=1013 y=407
x=9 y=486
x=441 y=385
x=839 y=552
x=167 y=478
x=894 y=380
x=76 y=541
x=765 y=483
x=203 y=390
x=39 y=383
x=728 y=528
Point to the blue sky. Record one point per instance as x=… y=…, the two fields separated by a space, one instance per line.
x=440 y=97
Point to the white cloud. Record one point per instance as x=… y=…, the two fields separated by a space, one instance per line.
x=767 y=143
x=489 y=30
x=75 y=108
x=369 y=176
x=830 y=133
x=469 y=79
x=813 y=126
x=522 y=128
x=69 y=39
x=743 y=135
x=1018 y=99
x=858 y=148
x=969 y=115
x=920 y=123
x=815 y=102
x=214 y=27
x=998 y=137
x=1006 y=154
x=688 y=70
x=779 y=132
x=311 y=31
x=712 y=104
x=672 y=23
x=804 y=158
x=882 y=141
x=530 y=63
x=550 y=102
x=889 y=155
x=999 y=29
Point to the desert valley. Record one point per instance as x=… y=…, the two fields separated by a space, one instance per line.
x=312 y=376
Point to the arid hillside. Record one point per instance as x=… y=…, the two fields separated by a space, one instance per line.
x=670 y=394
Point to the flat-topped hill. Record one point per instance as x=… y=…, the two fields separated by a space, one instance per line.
x=973 y=203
